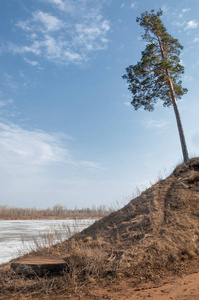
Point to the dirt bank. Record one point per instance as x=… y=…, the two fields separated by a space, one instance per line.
x=152 y=240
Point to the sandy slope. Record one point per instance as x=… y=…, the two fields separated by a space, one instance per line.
x=183 y=288
x=149 y=249
x=179 y=288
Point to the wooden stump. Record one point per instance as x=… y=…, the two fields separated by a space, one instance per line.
x=39 y=265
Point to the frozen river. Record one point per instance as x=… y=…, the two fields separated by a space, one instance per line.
x=18 y=237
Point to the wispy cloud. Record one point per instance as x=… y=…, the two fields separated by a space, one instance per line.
x=68 y=34
x=66 y=5
x=179 y=24
x=32 y=147
x=91 y=165
x=8 y=81
x=92 y=37
x=48 y=22
x=36 y=147
x=133 y=5
x=188 y=78
x=184 y=10
x=7 y=108
x=38 y=169
x=4 y=103
x=165 y=8
x=34 y=48
x=191 y=25
x=32 y=62
x=156 y=124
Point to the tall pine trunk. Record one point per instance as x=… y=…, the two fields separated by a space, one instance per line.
x=174 y=102
x=178 y=119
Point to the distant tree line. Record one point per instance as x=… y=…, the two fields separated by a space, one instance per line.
x=57 y=212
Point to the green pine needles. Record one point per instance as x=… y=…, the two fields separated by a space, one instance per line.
x=157 y=75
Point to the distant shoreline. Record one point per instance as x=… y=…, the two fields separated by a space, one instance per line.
x=48 y=218
x=58 y=212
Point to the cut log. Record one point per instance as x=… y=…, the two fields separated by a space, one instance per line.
x=39 y=265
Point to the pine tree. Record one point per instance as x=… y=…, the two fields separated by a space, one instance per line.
x=157 y=75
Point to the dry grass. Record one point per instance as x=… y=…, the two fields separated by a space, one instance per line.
x=86 y=263
x=56 y=234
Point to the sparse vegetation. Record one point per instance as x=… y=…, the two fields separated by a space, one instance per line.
x=57 y=212
x=86 y=262
x=154 y=236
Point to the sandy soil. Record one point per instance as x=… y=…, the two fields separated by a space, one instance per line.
x=181 y=288
x=185 y=288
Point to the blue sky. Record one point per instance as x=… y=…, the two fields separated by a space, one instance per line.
x=68 y=134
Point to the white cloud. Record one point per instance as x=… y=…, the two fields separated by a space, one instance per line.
x=127 y=100
x=156 y=124
x=133 y=5
x=4 y=103
x=188 y=78
x=9 y=82
x=40 y=22
x=32 y=62
x=165 y=9
x=37 y=169
x=66 y=37
x=35 y=147
x=196 y=39
x=179 y=24
x=34 y=48
x=184 y=10
x=91 y=165
x=92 y=36
x=49 y=22
x=31 y=147
x=191 y=25
x=66 y=5
x=24 y=25
x=7 y=107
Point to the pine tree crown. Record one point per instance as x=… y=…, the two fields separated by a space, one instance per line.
x=148 y=79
